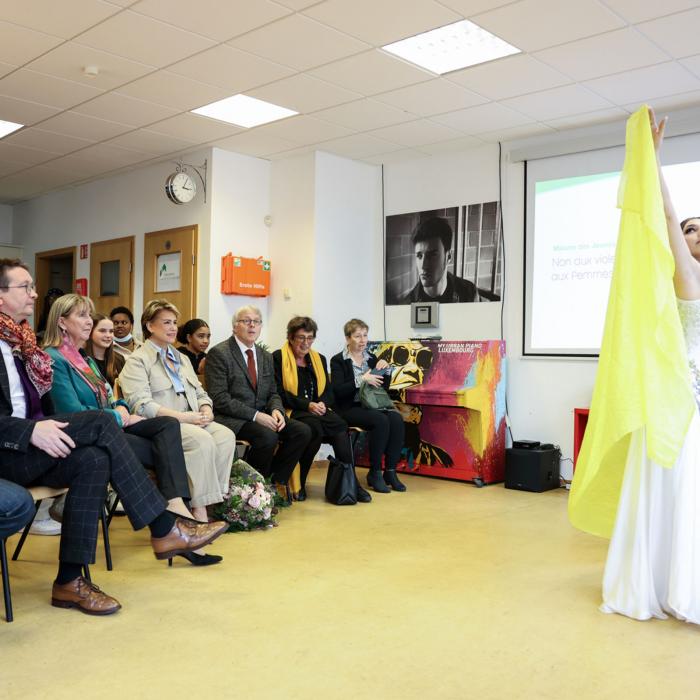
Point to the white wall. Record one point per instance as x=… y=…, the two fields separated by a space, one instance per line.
x=348 y=275
x=240 y=200
x=542 y=393
x=132 y=203
x=292 y=244
x=6 y=223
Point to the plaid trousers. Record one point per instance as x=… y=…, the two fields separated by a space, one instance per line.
x=101 y=455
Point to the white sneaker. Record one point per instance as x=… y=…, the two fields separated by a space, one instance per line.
x=45 y=527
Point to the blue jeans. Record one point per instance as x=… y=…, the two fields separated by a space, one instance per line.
x=16 y=508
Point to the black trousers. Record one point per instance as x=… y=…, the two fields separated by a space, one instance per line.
x=101 y=455
x=386 y=434
x=157 y=444
x=292 y=439
x=329 y=428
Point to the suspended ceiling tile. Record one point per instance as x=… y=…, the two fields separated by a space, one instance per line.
x=64 y=19
x=47 y=141
x=174 y=91
x=23 y=111
x=109 y=156
x=676 y=34
x=303 y=94
x=145 y=140
x=416 y=133
x=303 y=130
x=359 y=146
x=536 y=24
x=600 y=116
x=468 y=8
x=8 y=166
x=126 y=110
x=483 y=118
x=23 y=154
x=217 y=19
x=431 y=97
x=463 y=143
x=635 y=11
x=254 y=144
x=380 y=23
x=645 y=83
x=79 y=166
x=18 y=45
x=83 y=126
x=231 y=69
x=605 y=54
x=293 y=153
x=366 y=114
x=196 y=128
x=557 y=102
x=299 y=42
x=297 y=4
x=68 y=61
x=143 y=39
x=6 y=69
x=663 y=104
x=515 y=132
x=692 y=64
x=509 y=77
x=56 y=92
x=372 y=72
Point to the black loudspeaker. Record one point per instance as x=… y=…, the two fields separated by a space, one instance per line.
x=532 y=470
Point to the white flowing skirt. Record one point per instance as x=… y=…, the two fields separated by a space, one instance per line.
x=653 y=564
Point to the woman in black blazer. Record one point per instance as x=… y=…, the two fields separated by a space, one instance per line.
x=349 y=369
x=305 y=390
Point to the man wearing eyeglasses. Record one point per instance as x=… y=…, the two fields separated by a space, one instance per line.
x=82 y=451
x=240 y=378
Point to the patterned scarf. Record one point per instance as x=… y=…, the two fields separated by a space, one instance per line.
x=22 y=341
x=86 y=370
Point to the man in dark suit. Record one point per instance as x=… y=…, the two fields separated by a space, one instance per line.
x=240 y=378
x=432 y=247
x=82 y=451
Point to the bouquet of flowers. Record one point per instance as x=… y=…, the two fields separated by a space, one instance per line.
x=251 y=503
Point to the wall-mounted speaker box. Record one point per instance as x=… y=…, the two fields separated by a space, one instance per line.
x=532 y=470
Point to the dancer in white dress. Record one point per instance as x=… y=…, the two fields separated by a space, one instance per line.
x=653 y=564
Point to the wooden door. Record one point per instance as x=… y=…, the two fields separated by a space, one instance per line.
x=111 y=274
x=44 y=275
x=170 y=268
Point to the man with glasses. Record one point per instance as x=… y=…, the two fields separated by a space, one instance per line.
x=82 y=451
x=240 y=380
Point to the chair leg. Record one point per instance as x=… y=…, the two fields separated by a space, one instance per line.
x=288 y=491
x=6 y=581
x=25 y=532
x=111 y=510
x=105 y=537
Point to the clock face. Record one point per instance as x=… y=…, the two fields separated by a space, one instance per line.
x=180 y=188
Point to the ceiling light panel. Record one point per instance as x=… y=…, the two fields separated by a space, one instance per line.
x=8 y=127
x=245 y=111
x=451 y=47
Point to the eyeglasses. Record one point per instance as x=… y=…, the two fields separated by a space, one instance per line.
x=249 y=321
x=304 y=338
x=28 y=287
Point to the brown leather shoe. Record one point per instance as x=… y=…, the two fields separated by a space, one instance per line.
x=84 y=595
x=186 y=536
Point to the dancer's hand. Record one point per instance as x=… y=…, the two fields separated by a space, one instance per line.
x=657 y=130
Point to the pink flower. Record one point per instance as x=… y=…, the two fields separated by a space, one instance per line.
x=254 y=501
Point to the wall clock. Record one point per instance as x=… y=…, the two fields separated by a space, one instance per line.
x=180 y=188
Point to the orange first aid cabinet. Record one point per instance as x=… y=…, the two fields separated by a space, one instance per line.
x=248 y=276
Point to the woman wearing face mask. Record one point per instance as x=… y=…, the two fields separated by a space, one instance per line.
x=349 y=369
x=100 y=347
x=194 y=337
x=78 y=385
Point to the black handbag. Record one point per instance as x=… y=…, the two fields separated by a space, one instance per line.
x=341 y=483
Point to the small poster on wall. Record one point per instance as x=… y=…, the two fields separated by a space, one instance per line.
x=168 y=269
x=450 y=255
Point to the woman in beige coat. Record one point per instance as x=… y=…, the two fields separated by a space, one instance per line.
x=157 y=380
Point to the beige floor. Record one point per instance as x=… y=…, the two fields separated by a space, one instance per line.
x=446 y=591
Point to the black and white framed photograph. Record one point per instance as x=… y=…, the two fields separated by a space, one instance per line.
x=450 y=255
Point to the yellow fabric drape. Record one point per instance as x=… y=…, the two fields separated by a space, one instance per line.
x=290 y=381
x=643 y=380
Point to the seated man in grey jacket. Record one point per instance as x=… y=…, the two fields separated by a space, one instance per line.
x=240 y=380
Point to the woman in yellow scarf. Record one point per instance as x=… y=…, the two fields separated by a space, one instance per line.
x=303 y=385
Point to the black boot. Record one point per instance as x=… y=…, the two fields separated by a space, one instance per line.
x=392 y=480
x=375 y=481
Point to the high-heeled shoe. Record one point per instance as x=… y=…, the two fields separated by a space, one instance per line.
x=199 y=559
